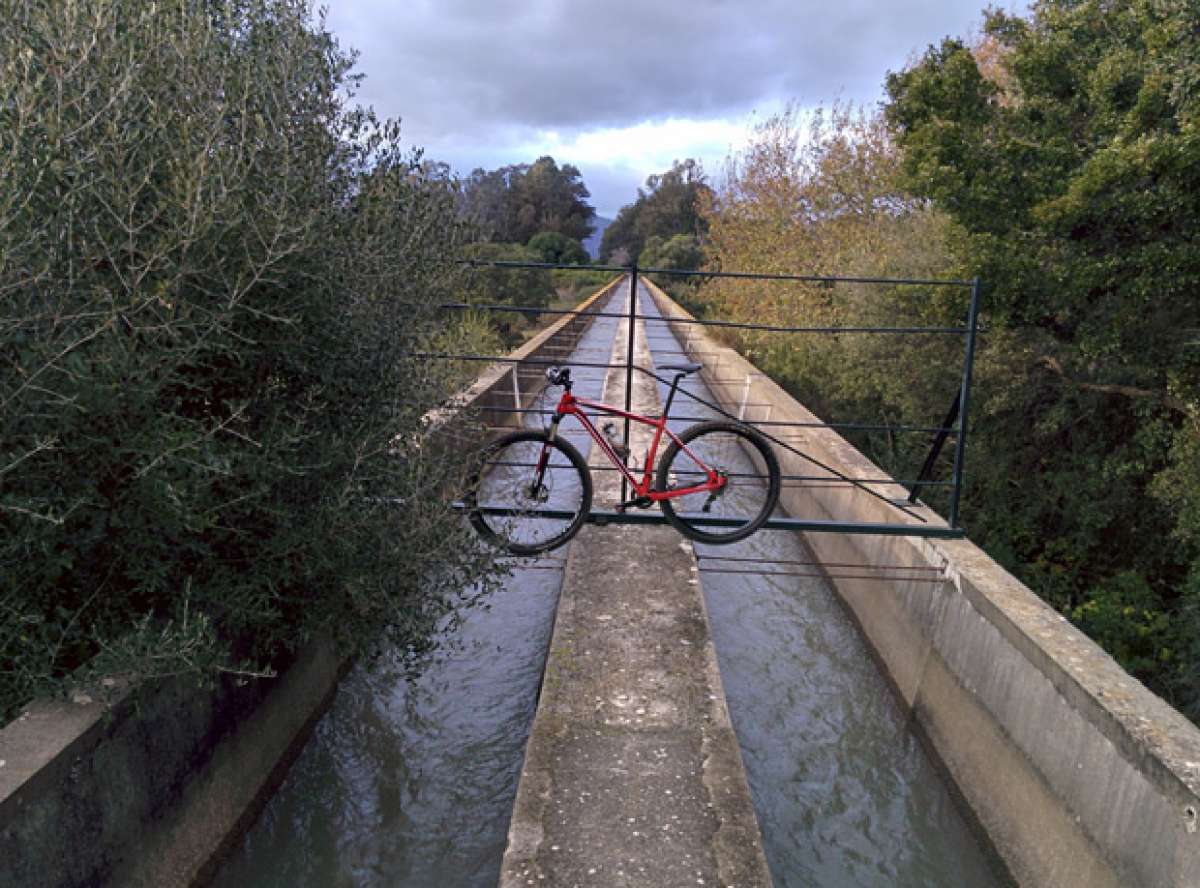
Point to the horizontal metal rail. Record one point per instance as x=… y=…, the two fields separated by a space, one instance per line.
x=766 y=427
x=734 y=325
x=679 y=272
x=778 y=423
x=610 y=517
x=510 y=464
x=901 y=505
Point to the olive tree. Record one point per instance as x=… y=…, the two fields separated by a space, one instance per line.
x=213 y=269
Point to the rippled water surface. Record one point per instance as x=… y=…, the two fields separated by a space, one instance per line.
x=412 y=783
x=844 y=792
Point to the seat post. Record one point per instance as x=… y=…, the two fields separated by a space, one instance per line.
x=671 y=393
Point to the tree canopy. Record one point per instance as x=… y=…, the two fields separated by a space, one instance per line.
x=669 y=205
x=1071 y=161
x=516 y=202
x=488 y=285
x=558 y=248
x=215 y=275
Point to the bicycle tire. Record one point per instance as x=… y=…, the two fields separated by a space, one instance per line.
x=506 y=490
x=764 y=488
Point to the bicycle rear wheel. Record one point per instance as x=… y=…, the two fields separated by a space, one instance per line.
x=511 y=510
x=740 y=508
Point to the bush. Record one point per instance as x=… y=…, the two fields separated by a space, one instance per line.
x=488 y=285
x=558 y=249
x=574 y=285
x=682 y=252
x=212 y=270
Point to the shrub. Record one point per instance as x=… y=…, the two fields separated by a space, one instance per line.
x=212 y=270
x=500 y=286
x=558 y=249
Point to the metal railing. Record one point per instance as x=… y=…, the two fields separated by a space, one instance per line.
x=955 y=423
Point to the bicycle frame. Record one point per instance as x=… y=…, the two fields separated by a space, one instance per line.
x=570 y=405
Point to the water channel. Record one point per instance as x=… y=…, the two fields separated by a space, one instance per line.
x=844 y=792
x=411 y=783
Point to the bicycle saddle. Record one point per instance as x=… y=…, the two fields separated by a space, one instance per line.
x=685 y=369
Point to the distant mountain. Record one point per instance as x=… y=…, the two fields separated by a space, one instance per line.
x=592 y=244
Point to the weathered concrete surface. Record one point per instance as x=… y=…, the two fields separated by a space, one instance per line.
x=1079 y=775
x=143 y=793
x=632 y=775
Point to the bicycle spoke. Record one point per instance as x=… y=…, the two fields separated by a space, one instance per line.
x=746 y=499
x=525 y=511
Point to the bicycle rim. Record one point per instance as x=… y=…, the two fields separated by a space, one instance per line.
x=510 y=511
x=750 y=493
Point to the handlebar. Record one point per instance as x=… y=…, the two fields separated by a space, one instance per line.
x=559 y=376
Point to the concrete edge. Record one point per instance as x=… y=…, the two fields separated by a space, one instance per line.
x=1113 y=710
x=737 y=842
x=115 y=775
x=194 y=839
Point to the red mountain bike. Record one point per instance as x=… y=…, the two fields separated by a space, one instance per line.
x=717 y=481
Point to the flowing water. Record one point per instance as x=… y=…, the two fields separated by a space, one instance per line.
x=412 y=783
x=844 y=792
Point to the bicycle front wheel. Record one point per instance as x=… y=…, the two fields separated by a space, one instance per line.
x=751 y=490
x=515 y=507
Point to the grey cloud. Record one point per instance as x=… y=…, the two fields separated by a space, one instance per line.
x=464 y=65
x=467 y=76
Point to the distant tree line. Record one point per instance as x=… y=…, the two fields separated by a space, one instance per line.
x=535 y=212
x=539 y=212
x=515 y=203
x=666 y=219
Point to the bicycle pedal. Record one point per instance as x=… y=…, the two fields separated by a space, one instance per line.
x=641 y=502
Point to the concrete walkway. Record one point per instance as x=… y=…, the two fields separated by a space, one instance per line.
x=632 y=775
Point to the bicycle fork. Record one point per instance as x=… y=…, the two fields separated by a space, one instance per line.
x=539 y=473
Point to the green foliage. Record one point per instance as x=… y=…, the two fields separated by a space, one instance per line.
x=670 y=205
x=558 y=249
x=1056 y=160
x=1073 y=169
x=212 y=271
x=514 y=203
x=682 y=252
x=487 y=285
x=574 y=285
x=815 y=193
x=1126 y=616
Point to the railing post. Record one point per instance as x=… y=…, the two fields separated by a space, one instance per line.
x=633 y=284
x=960 y=446
x=745 y=400
x=935 y=448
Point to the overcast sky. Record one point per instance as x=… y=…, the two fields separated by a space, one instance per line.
x=621 y=88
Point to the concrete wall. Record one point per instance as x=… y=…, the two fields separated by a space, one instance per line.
x=148 y=789
x=1077 y=773
x=144 y=789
